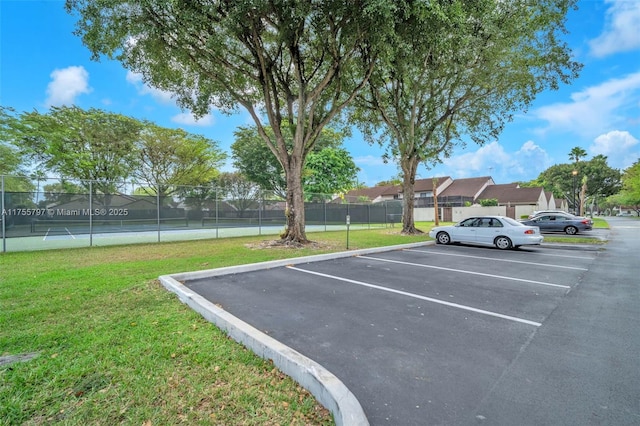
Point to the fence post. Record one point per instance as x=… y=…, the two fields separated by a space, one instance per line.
x=325 y=216
x=4 y=241
x=385 y=215
x=158 y=209
x=260 y=203
x=90 y=213
x=215 y=195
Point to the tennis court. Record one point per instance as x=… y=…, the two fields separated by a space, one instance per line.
x=43 y=220
x=66 y=236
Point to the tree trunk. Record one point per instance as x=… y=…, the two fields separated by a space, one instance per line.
x=294 y=212
x=409 y=169
x=582 y=196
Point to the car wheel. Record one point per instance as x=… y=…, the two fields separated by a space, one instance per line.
x=571 y=230
x=443 y=238
x=503 y=243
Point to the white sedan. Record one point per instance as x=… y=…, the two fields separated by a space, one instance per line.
x=499 y=231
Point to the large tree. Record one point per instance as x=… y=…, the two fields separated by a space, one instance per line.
x=461 y=69
x=168 y=158
x=296 y=62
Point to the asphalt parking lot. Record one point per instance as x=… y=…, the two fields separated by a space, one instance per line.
x=458 y=335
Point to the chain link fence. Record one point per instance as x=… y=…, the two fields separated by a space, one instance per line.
x=40 y=213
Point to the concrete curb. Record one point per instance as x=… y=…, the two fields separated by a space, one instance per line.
x=324 y=385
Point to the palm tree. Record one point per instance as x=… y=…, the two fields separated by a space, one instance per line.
x=577 y=153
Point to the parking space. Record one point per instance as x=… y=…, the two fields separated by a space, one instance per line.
x=421 y=335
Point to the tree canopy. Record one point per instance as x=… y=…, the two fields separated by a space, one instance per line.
x=104 y=149
x=12 y=163
x=436 y=90
x=601 y=180
x=328 y=168
x=629 y=196
x=577 y=153
x=90 y=145
x=329 y=171
x=168 y=158
x=299 y=63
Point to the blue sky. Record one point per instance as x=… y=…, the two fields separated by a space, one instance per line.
x=43 y=64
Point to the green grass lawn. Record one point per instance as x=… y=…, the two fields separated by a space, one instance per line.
x=114 y=347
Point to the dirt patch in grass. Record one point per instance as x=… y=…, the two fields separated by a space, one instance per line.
x=11 y=359
x=279 y=244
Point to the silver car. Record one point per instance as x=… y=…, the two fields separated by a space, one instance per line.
x=560 y=222
x=499 y=231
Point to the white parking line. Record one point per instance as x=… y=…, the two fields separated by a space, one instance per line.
x=495 y=260
x=460 y=271
x=417 y=296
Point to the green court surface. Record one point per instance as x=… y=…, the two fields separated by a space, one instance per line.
x=73 y=237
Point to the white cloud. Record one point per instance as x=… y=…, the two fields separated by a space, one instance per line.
x=481 y=162
x=369 y=160
x=596 y=109
x=493 y=160
x=190 y=120
x=530 y=158
x=622 y=29
x=161 y=96
x=66 y=85
x=620 y=147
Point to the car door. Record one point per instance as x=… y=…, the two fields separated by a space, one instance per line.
x=465 y=231
x=546 y=223
x=487 y=230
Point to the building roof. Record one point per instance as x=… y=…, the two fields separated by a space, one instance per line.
x=468 y=187
x=510 y=193
x=373 y=192
x=548 y=195
x=422 y=185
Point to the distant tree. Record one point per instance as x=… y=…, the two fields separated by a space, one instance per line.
x=631 y=180
x=329 y=171
x=294 y=62
x=576 y=154
x=488 y=202
x=60 y=192
x=88 y=145
x=11 y=166
x=460 y=68
x=201 y=200
x=256 y=161
x=253 y=158
x=12 y=163
x=393 y=181
x=629 y=196
x=601 y=180
x=239 y=192
x=167 y=158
